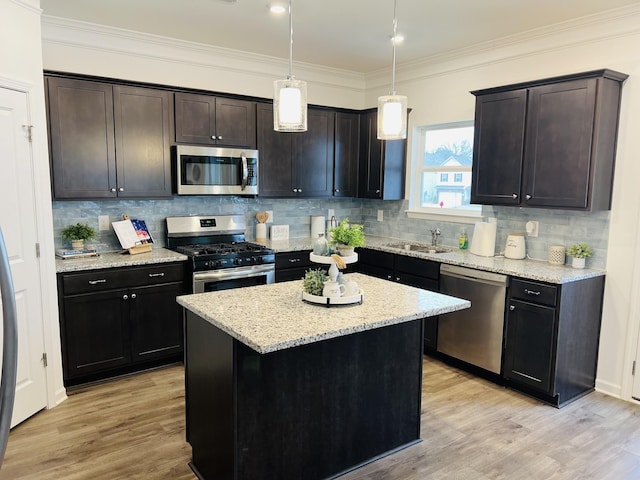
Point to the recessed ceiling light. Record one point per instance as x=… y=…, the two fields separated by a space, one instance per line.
x=398 y=39
x=277 y=8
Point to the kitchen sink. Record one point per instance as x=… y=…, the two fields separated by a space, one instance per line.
x=419 y=247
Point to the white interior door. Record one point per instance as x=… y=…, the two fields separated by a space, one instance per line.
x=18 y=220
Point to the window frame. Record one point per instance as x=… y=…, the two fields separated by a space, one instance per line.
x=471 y=215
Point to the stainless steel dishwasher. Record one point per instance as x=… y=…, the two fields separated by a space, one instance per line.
x=473 y=335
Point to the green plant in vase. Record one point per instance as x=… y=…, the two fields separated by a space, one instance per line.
x=77 y=234
x=346 y=236
x=313 y=281
x=579 y=252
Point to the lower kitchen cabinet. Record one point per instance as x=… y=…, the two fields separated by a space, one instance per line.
x=552 y=335
x=412 y=271
x=293 y=265
x=119 y=320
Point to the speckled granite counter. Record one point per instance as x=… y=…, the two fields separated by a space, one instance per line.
x=274 y=317
x=116 y=259
x=531 y=269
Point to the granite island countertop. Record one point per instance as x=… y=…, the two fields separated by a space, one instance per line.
x=527 y=268
x=117 y=259
x=274 y=317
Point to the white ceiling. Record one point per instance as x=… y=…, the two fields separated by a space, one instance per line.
x=345 y=34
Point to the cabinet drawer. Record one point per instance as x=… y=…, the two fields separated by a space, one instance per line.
x=294 y=260
x=417 y=267
x=383 y=260
x=108 y=279
x=533 y=292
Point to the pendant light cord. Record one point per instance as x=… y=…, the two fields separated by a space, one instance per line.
x=290 y=42
x=393 y=41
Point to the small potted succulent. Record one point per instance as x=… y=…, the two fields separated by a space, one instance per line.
x=346 y=236
x=77 y=234
x=579 y=252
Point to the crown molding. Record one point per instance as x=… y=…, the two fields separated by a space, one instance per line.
x=33 y=5
x=616 y=23
x=91 y=36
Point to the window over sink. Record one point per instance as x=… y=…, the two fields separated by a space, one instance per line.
x=441 y=172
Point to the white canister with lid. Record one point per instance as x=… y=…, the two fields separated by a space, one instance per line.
x=515 y=247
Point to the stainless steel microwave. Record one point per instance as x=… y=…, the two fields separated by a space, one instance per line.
x=216 y=171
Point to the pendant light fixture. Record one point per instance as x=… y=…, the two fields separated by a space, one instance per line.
x=290 y=97
x=392 y=108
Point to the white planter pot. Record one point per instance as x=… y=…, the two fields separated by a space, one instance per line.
x=577 y=262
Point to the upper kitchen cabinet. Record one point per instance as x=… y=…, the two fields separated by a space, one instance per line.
x=210 y=120
x=549 y=143
x=296 y=164
x=345 y=173
x=382 y=162
x=108 y=141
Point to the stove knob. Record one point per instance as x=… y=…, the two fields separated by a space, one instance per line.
x=236 y=261
x=258 y=259
x=218 y=263
x=206 y=264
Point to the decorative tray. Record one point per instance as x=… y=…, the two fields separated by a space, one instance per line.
x=332 y=301
x=328 y=260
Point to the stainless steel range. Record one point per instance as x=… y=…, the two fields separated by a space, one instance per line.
x=219 y=256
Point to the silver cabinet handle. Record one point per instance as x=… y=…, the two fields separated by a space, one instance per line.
x=133 y=295
x=377 y=191
x=95 y=282
x=219 y=137
x=294 y=260
x=112 y=189
x=512 y=308
x=295 y=190
x=531 y=292
x=528 y=197
x=213 y=137
x=514 y=195
x=337 y=190
x=121 y=189
x=397 y=279
x=299 y=190
x=389 y=277
x=161 y=274
x=125 y=297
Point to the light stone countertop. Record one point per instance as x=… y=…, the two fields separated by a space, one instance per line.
x=117 y=259
x=530 y=269
x=274 y=317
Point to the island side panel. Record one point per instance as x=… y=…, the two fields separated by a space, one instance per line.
x=209 y=398
x=320 y=409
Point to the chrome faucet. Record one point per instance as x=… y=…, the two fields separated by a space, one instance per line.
x=434 y=236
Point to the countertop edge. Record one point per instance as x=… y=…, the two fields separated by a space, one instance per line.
x=117 y=260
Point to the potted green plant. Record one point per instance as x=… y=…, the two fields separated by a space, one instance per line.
x=346 y=236
x=579 y=252
x=313 y=281
x=77 y=234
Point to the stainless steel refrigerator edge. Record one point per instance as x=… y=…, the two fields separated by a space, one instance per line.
x=473 y=335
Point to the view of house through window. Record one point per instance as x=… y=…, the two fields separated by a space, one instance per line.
x=443 y=175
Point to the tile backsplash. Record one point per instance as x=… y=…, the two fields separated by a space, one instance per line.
x=556 y=227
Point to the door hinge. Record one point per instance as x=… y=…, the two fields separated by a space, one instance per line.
x=633 y=368
x=37 y=249
x=44 y=359
x=29 y=129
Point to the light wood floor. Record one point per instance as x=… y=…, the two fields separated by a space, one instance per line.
x=133 y=428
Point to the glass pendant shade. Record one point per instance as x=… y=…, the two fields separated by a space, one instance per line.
x=392 y=117
x=290 y=105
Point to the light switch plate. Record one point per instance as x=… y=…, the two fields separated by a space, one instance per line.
x=270 y=216
x=103 y=222
x=380 y=215
x=279 y=232
x=331 y=213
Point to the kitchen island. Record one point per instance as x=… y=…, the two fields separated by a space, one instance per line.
x=277 y=388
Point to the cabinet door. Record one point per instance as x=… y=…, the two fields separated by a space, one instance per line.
x=195 y=118
x=498 y=148
x=375 y=263
x=81 y=135
x=560 y=123
x=313 y=155
x=96 y=331
x=530 y=345
x=236 y=123
x=276 y=159
x=142 y=118
x=156 y=321
x=345 y=174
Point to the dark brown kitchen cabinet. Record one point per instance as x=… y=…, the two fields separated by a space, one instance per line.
x=382 y=162
x=211 y=120
x=296 y=164
x=549 y=143
x=551 y=338
x=293 y=265
x=116 y=321
x=108 y=141
x=415 y=272
x=345 y=173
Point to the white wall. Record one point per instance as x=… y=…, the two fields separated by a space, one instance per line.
x=438 y=90
x=21 y=69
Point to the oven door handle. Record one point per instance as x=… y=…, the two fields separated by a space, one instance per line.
x=232 y=273
x=245 y=171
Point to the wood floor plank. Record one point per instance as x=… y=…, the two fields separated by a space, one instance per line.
x=472 y=429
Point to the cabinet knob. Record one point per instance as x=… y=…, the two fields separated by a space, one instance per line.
x=389 y=277
x=219 y=137
x=133 y=295
x=514 y=195
x=528 y=197
x=397 y=279
x=213 y=137
x=337 y=190
x=377 y=191
x=121 y=189
x=512 y=308
x=125 y=297
x=112 y=189
x=299 y=190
